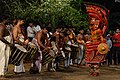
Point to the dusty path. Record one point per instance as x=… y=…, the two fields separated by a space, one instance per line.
x=73 y=73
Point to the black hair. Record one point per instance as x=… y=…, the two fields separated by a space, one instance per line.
x=43 y=26
x=3 y=17
x=65 y=33
x=53 y=38
x=17 y=19
x=31 y=21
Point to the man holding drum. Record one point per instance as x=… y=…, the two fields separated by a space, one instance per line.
x=19 y=39
x=5 y=43
x=41 y=41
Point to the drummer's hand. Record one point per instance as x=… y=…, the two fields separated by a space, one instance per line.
x=26 y=42
x=72 y=44
x=46 y=49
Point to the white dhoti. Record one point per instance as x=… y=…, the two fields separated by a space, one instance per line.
x=4 y=55
x=20 y=68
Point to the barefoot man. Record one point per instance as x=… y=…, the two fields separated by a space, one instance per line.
x=5 y=43
x=41 y=41
x=19 y=39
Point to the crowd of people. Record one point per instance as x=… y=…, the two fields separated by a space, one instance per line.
x=113 y=46
x=62 y=45
x=56 y=44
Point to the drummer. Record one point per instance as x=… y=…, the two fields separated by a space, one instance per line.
x=41 y=41
x=5 y=43
x=58 y=40
x=18 y=38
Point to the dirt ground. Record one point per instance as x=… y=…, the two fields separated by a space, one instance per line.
x=73 y=73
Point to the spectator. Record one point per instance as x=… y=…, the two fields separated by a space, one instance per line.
x=36 y=28
x=109 y=43
x=116 y=46
x=30 y=31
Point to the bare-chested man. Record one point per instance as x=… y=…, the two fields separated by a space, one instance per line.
x=17 y=33
x=5 y=43
x=59 y=38
x=19 y=39
x=41 y=41
x=42 y=38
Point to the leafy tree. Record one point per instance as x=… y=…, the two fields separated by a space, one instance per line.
x=70 y=12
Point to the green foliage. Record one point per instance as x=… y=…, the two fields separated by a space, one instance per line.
x=52 y=11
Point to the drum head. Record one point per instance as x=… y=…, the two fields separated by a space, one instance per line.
x=51 y=52
x=32 y=45
x=21 y=48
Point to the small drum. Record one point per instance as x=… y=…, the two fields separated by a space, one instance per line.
x=60 y=57
x=47 y=56
x=18 y=53
x=32 y=50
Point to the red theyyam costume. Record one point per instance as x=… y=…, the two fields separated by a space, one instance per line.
x=96 y=47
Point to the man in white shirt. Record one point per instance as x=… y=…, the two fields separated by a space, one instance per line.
x=36 y=28
x=30 y=31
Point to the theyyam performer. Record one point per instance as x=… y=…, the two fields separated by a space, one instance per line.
x=96 y=48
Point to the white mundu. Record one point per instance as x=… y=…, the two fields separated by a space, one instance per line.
x=4 y=55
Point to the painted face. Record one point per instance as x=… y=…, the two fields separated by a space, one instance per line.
x=95 y=26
